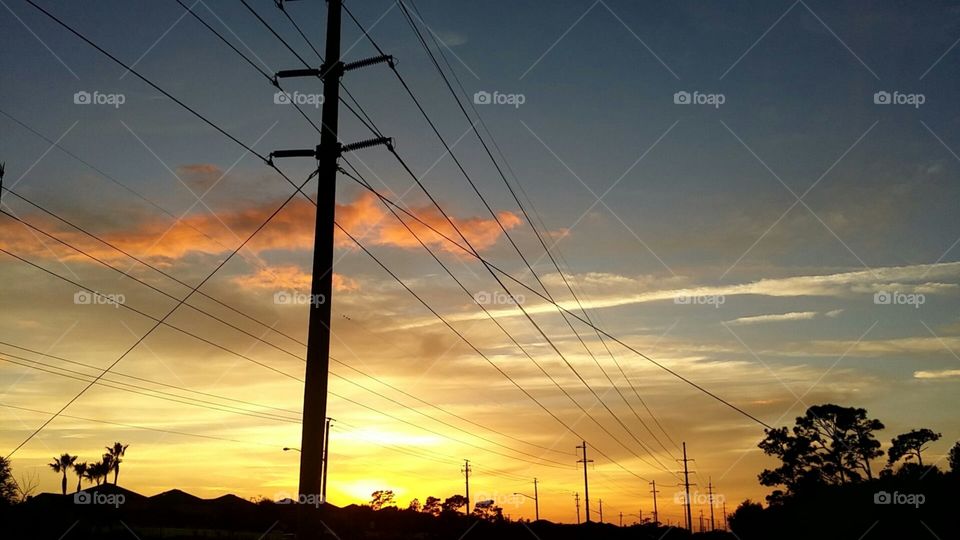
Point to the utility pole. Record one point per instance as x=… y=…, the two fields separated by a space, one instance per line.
x=466 y=473
x=686 y=487
x=536 y=499
x=701 y=521
x=576 y=498
x=327 y=154
x=326 y=459
x=586 y=485
x=713 y=524
x=724 y=514
x=601 y=510
x=656 y=517
x=621 y=519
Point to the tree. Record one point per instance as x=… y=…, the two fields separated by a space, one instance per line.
x=8 y=486
x=414 y=505
x=116 y=452
x=954 y=458
x=454 y=503
x=81 y=470
x=381 y=498
x=97 y=472
x=61 y=465
x=830 y=444
x=431 y=506
x=488 y=511
x=910 y=445
x=746 y=518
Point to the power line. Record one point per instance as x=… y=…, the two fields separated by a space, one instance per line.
x=159 y=322
x=504 y=230
x=126 y=274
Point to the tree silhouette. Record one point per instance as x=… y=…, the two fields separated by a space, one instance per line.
x=81 y=470
x=8 y=486
x=910 y=445
x=116 y=452
x=61 y=465
x=454 y=503
x=488 y=511
x=97 y=472
x=432 y=506
x=830 y=444
x=954 y=458
x=381 y=498
x=414 y=505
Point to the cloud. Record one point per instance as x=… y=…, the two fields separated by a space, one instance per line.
x=613 y=290
x=292 y=229
x=200 y=176
x=942 y=374
x=290 y=277
x=794 y=316
x=834 y=313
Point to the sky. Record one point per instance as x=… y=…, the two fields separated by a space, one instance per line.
x=759 y=196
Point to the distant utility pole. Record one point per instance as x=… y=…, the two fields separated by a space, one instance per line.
x=466 y=474
x=686 y=488
x=656 y=517
x=601 y=510
x=586 y=485
x=621 y=519
x=701 y=521
x=536 y=499
x=724 y=514
x=326 y=459
x=576 y=498
x=713 y=524
x=327 y=154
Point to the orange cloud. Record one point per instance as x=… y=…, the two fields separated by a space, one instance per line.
x=290 y=277
x=292 y=229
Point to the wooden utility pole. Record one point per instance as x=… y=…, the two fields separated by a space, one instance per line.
x=724 y=514
x=576 y=498
x=656 y=517
x=466 y=473
x=586 y=484
x=686 y=488
x=601 y=510
x=621 y=519
x=713 y=524
x=326 y=459
x=536 y=499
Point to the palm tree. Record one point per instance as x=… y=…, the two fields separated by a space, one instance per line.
x=97 y=472
x=116 y=452
x=60 y=465
x=81 y=470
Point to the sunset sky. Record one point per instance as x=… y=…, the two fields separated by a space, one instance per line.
x=789 y=213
